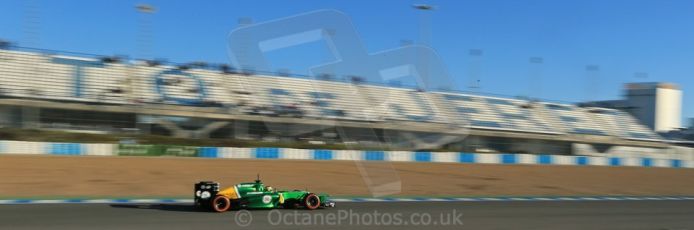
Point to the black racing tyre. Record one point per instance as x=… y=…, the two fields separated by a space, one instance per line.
x=221 y=204
x=311 y=201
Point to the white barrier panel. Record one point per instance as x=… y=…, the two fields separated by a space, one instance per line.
x=240 y=153
x=100 y=149
x=688 y=164
x=599 y=161
x=24 y=147
x=448 y=157
x=347 y=155
x=296 y=154
x=527 y=159
x=399 y=156
x=631 y=161
x=486 y=158
x=661 y=163
x=564 y=160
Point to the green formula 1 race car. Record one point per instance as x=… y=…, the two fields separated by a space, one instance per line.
x=255 y=195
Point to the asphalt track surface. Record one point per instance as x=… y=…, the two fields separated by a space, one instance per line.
x=657 y=215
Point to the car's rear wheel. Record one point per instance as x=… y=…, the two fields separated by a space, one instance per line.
x=311 y=201
x=221 y=204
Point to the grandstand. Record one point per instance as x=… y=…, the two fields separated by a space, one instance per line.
x=44 y=89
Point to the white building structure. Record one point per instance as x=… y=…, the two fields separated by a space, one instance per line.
x=657 y=105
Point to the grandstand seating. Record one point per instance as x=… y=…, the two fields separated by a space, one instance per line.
x=70 y=78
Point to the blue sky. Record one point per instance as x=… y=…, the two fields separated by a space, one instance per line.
x=621 y=36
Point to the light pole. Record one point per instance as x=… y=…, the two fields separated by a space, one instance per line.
x=424 y=22
x=474 y=67
x=424 y=36
x=535 y=81
x=32 y=24
x=245 y=45
x=144 y=36
x=641 y=76
x=592 y=81
x=143 y=42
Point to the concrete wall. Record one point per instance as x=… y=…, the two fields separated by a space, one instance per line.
x=622 y=151
x=673 y=158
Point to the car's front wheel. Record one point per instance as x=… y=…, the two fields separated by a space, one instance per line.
x=311 y=201
x=221 y=204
